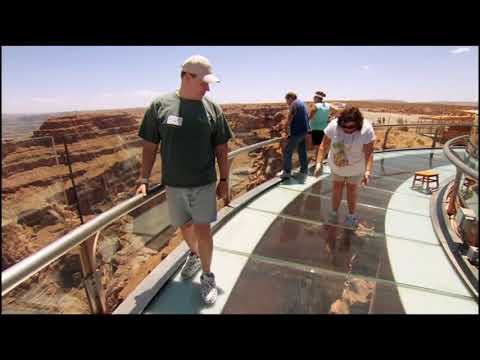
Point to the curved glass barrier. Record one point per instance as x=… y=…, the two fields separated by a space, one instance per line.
x=253 y=168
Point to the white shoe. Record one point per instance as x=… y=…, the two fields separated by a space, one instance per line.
x=192 y=265
x=208 y=288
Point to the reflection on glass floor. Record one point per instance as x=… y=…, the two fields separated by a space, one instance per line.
x=280 y=255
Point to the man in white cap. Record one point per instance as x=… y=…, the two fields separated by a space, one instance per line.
x=193 y=131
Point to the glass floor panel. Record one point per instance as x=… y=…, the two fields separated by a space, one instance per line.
x=267 y=287
x=367 y=195
x=326 y=246
x=285 y=290
x=314 y=208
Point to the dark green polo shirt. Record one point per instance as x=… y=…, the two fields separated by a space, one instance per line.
x=188 y=131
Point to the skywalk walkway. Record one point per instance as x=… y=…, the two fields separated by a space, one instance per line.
x=276 y=253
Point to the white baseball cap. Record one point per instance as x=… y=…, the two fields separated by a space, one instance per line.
x=199 y=65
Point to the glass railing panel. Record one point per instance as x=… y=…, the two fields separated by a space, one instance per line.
x=132 y=246
x=106 y=166
x=38 y=198
x=470 y=159
x=453 y=131
x=127 y=250
x=241 y=168
x=469 y=193
x=35 y=210
x=57 y=289
x=253 y=168
x=404 y=137
x=472 y=145
x=311 y=150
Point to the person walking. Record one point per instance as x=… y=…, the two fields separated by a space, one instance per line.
x=193 y=132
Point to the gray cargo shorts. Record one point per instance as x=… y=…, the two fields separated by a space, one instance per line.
x=198 y=204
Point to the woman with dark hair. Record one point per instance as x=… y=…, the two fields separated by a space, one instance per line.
x=351 y=140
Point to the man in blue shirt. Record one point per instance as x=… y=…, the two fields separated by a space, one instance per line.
x=297 y=123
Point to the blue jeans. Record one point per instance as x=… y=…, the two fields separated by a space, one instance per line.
x=295 y=142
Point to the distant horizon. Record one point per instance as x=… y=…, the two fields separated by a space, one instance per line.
x=446 y=102
x=55 y=79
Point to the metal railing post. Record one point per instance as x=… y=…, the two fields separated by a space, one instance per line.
x=386 y=137
x=67 y=158
x=434 y=142
x=451 y=209
x=91 y=277
x=58 y=164
x=230 y=162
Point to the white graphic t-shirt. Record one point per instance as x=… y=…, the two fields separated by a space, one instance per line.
x=346 y=156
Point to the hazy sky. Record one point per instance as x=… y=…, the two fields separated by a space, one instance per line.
x=65 y=78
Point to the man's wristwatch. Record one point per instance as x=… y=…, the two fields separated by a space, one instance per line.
x=143 y=181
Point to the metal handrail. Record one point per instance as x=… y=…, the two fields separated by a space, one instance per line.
x=252 y=147
x=21 y=271
x=455 y=160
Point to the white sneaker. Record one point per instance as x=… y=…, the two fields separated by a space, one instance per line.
x=208 y=288
x=192 y=265
x=351 y=220
x=333 y=217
